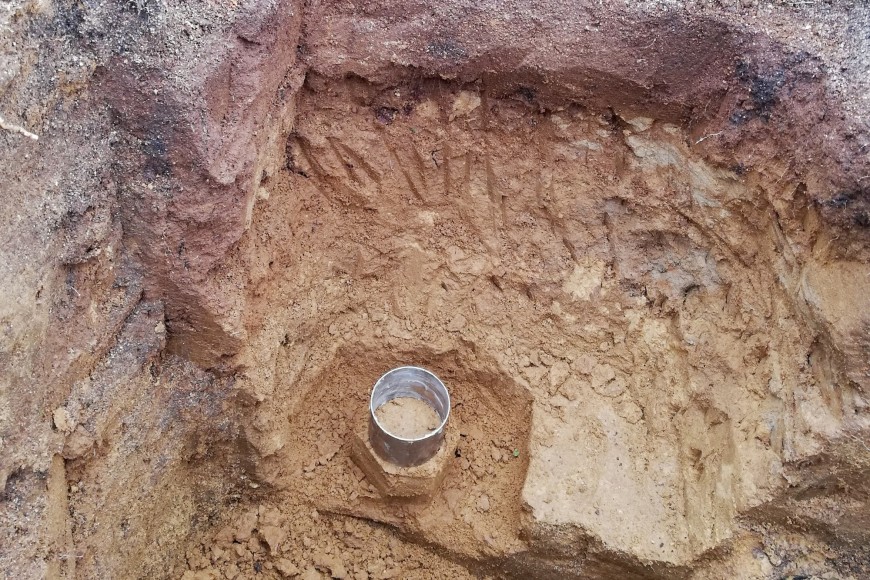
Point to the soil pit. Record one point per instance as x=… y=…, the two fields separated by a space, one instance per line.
x=629 y=293
x=635 y=262
x=407 y=417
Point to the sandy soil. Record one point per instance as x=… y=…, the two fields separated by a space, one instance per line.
x=407 y=417
x=632 y=237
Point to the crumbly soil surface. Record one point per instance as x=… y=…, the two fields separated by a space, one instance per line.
x=599 y=298
x=633 y=238
x=407 y=417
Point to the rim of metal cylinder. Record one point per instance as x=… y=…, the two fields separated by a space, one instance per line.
x=417 y=383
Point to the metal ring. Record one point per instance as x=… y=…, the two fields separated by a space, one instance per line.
x=416 y=383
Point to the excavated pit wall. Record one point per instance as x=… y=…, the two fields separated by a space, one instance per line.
x=641 y=266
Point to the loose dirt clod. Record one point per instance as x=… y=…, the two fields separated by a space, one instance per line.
x=407 y=417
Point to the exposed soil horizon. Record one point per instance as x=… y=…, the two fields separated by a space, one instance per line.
x=633 y=240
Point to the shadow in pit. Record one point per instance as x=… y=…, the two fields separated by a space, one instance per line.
x=476 y=510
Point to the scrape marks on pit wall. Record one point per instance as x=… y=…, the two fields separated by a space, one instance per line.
x=446 y=162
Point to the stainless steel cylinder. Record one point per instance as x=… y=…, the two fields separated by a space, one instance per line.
x=415 y=383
